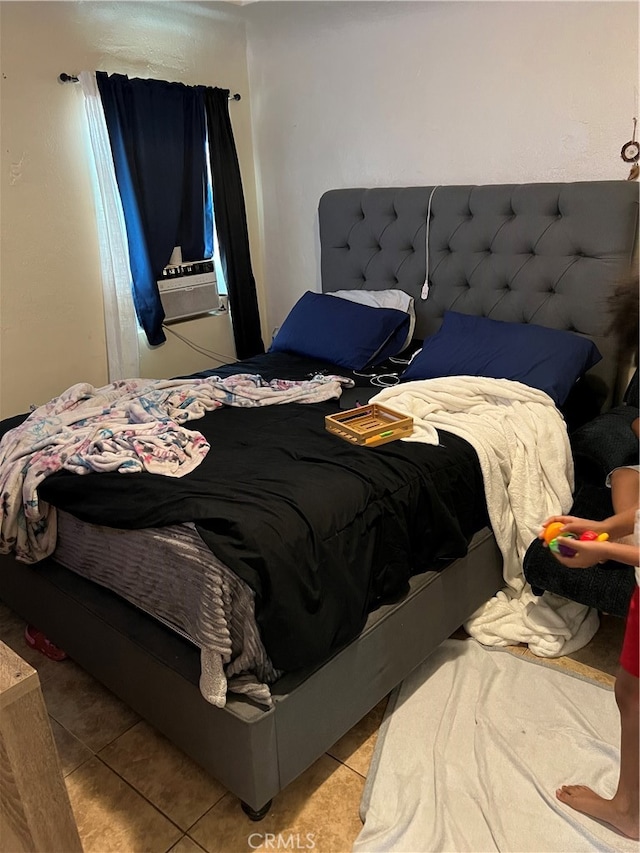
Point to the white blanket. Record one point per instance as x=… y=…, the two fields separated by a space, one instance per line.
x=522 y=444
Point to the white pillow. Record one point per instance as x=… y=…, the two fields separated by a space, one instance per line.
x=397 y=299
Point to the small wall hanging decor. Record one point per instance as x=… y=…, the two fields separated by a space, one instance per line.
x=631 y=152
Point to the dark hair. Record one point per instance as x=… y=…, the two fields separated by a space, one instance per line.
x=625 y=316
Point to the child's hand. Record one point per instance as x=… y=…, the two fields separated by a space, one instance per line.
x=573 y=524
x=587 y=553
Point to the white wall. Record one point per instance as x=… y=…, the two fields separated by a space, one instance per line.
x=52 y=322
x=336 y=94
x=379 y=94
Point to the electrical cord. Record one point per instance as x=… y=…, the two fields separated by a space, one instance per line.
x=385 y=380
x=389 y=378
x=226 y=359
x=317 y=377
x=425 y=286
x=380 y=380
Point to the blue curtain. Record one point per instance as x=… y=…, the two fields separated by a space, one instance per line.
x=157 y=132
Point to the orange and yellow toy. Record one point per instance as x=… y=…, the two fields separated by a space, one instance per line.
x=552 y=531
x=553 y=537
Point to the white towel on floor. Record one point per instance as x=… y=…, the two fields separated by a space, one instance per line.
x=472 y=748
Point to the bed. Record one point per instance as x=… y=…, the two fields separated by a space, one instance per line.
x=547 y=255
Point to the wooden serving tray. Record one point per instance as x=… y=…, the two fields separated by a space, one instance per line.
x=369 y=425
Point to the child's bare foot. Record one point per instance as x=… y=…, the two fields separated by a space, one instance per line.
x=584 y=800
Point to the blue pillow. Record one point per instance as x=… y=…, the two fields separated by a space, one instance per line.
x=341 y=332
x=549 y=359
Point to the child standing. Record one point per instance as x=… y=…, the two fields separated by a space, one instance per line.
x=622 y=810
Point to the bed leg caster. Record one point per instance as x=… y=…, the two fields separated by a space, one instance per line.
x=255 y=814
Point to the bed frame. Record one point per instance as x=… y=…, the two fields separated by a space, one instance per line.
x=542 y=253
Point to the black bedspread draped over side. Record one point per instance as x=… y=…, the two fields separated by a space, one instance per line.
x=323 y=531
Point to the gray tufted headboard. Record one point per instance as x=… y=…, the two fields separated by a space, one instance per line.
x=548 y=254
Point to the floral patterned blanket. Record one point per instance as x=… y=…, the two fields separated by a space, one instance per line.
x=128 y=426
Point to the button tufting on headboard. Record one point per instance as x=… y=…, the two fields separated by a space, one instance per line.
x=560 y=246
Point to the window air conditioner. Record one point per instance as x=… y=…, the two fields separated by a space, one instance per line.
x=188 y=290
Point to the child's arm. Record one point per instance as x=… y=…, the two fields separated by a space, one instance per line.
x=617 y=526
x=589 y=553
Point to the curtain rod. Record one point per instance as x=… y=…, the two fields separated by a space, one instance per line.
x=71 y=78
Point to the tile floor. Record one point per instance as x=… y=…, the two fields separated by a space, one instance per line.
x=131 y=790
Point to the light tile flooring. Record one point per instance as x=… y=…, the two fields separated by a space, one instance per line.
x=131 y=790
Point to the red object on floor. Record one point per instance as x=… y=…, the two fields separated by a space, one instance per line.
x=37 y=640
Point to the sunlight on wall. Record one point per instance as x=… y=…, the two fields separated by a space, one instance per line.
x=51 y=297
x=342 y=94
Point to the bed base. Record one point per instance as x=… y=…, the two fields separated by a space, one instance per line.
x=548 y=253
x=253 y=752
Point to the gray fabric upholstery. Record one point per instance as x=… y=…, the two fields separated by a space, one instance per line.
x=547 y=254
x=604 y=443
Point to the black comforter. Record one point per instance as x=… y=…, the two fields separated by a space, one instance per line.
x=323 y=531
